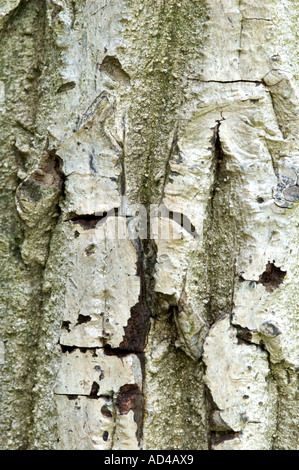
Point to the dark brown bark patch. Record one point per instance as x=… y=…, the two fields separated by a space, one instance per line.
x=137 y=329
x=130 y=398
x=272 y=277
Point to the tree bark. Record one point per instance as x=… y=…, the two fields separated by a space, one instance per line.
x=149 y=224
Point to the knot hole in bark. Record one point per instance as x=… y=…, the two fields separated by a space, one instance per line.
x=113 y=68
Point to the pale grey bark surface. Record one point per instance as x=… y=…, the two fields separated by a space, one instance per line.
x=183 y=336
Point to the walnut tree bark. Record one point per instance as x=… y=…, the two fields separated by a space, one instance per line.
x=149 y=224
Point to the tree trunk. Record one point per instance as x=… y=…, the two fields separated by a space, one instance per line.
x=149 y=224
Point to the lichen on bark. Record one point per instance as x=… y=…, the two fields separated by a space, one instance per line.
x=184 y=342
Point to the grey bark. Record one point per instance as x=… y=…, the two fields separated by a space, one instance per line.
x=178 y=334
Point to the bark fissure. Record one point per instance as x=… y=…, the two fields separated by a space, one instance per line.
x=257 y=82
x=258 y=19
x=215 y=237
x=90 y=221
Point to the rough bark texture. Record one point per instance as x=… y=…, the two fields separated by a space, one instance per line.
x=149 y=342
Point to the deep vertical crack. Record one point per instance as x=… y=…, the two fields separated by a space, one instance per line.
x=214 y=240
